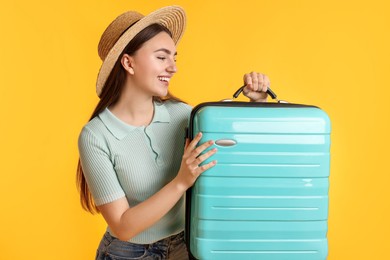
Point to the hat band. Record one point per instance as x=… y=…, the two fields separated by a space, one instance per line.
x=128 y=28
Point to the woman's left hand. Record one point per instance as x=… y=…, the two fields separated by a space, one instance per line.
x=256 y=85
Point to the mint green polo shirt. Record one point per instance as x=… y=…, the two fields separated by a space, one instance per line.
x=120 y=160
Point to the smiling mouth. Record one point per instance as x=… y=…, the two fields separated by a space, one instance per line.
x=164 y=79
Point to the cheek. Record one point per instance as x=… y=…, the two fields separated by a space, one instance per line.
x=149 y=66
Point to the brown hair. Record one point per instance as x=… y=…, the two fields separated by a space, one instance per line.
x=110 y=95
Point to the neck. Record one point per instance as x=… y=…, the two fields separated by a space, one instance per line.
x=134 y=108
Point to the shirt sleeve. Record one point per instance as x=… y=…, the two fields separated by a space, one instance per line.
x=98 y=169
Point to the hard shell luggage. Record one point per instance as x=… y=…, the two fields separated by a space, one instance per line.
x=267 y=197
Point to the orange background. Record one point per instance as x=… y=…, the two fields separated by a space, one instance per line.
x=333 y=54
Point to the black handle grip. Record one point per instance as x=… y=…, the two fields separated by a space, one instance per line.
x=269 y=92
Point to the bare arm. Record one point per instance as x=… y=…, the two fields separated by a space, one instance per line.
x=127 y=222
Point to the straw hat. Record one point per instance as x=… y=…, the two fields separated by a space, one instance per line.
x=127 y=25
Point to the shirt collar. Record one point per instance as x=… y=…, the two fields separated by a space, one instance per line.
x=120 y=129
x=161 y=114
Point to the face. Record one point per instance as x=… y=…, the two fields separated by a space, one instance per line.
x=153 y=65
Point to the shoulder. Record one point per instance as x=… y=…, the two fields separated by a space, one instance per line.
x=177 y=108
x=95 y=125
x=93 y=131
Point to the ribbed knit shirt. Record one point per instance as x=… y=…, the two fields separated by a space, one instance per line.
x=120 y=160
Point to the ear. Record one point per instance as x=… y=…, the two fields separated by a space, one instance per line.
x=127 y=63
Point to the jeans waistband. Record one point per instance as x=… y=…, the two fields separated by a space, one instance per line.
x=108 y=238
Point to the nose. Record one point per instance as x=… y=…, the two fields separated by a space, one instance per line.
x=172 y=68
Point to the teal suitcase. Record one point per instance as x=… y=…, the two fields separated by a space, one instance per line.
x=267 y=197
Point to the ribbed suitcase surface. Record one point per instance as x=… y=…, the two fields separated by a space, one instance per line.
x=267 y=197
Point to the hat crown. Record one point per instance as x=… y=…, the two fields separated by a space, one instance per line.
x=114 y=31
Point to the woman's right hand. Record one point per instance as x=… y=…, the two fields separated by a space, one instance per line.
x=192 y=158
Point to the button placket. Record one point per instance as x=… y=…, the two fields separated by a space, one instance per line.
x=153 y=144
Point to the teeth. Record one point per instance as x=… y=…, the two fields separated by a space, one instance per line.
x=164 y=79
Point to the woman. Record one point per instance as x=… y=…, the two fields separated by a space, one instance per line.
x=134 y=166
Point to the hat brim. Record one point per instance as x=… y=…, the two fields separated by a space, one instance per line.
x=172 y=17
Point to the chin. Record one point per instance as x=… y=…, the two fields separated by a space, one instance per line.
x=162 y=93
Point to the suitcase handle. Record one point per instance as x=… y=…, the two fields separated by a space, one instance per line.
x=269 y=92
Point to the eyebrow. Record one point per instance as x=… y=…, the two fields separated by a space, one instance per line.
x=166 y=51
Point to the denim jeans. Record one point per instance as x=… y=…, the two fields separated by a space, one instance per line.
x=173 y=248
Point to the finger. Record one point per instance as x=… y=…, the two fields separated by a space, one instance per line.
x=201 y=148
x=205 y=156
x=261 y=81
x=196 y=171
x=267 y=82
x=255 y=80
x=187 y=142
x=246 y=90
x=248 y=82
x=205 y=167
x=265 y=86
x=264 y=83
x=191 y=146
